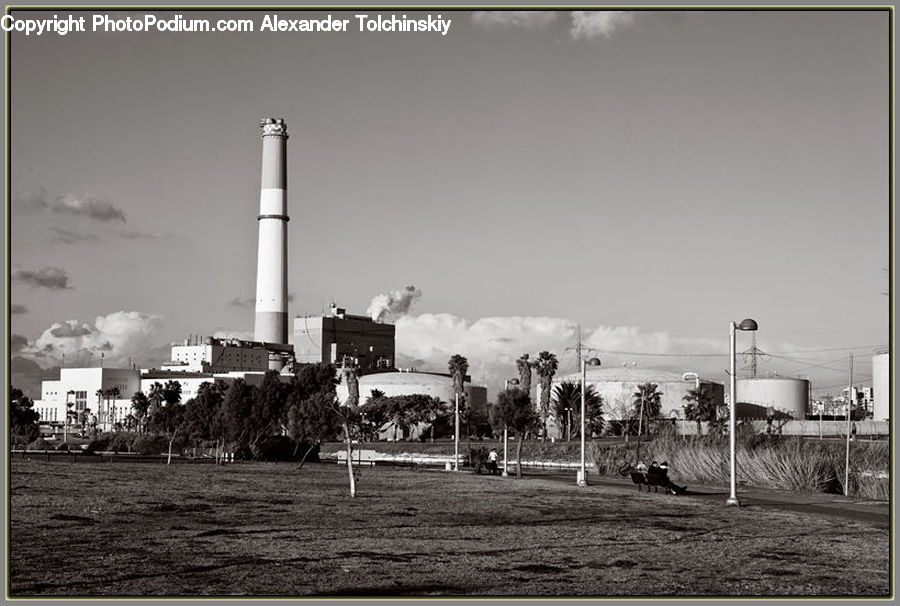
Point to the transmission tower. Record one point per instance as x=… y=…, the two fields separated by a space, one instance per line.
x=751 y=357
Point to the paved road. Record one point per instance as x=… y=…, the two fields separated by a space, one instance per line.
x=878 y=512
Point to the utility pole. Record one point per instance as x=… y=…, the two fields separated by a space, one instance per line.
x=849 y=410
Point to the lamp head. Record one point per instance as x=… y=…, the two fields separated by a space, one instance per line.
x=512 y=381
x=592 y=362
x=748 y=324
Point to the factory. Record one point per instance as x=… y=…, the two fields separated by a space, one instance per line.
x=617 y=387
x=784 y=396
x=408 y=382
x=339 y=335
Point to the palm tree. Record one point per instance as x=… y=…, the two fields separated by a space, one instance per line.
x=156 y=397
x=524 y=366
x=100 y=393
x=567 y=398
x=458 y=366
x=701 y=406
x=350 y=371
x=112 y=393
x=648 y=400
x=546 y=366
x=140 y=404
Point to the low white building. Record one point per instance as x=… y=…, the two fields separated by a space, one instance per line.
x=87 y=390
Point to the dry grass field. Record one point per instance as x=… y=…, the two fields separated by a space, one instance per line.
x=271 y=529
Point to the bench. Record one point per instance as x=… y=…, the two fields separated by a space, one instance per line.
x=362 y=456
x=648 y=479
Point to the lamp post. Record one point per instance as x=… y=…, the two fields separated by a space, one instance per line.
x=582 y=472
x=505 y=457
x=456 y=435
x=749 y=325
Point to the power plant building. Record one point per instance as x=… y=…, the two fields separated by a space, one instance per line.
x=881 y=386
x=404 y=383
x=340 y=335
x=785 y=395
x=618 y=385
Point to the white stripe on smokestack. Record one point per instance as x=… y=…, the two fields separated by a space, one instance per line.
x=271 y=269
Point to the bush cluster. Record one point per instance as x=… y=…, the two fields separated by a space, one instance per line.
x=787 y=463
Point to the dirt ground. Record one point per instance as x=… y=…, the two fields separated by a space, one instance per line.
x=270 y=529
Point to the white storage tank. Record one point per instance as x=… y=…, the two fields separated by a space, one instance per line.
x=786 y=395
x=881 y=386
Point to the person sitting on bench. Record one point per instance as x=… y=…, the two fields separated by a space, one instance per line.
x=669 y=485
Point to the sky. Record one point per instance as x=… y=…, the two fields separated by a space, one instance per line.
x=647 y=175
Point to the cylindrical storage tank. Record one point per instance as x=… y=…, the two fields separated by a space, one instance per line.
x=881 y=386
x=785 y=394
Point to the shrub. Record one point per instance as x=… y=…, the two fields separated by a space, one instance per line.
x=282 y=448
x=151 y=445
x=39 y=444
x=98 y=444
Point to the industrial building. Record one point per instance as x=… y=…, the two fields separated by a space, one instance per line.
x=409 y=382
x=617 y=387
x=881 y=387
x=82 y=389
x=784 y=395
x=340 y=335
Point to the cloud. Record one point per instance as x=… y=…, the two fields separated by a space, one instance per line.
x=531 y=20
x=119 y=336
x=87 y=206
x=590 y=24
x=18 y=308
x=71 y=205
x=70 y=329
x=17 y=342
x=493 y=344
x=68 y=236
x=52 y=278
x=393 y=304
x=27 y=375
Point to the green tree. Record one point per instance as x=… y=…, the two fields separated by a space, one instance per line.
x=428 y=409
x=168 y=421
x=647 y=401
x=524 y=366
x=312 y=420
x=568 y=395
x=546 y=366
x=172 y=392
x=515 y=411
x=458 y=366
x=140 y=404
x=701 y=406
x=23 y=419
x=201 y=411
x=268 y=411
x=350 y=372
x=156 y=397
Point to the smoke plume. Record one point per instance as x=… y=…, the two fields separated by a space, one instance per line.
x=394 y=303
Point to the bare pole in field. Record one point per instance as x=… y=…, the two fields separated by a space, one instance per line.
x=849 y=409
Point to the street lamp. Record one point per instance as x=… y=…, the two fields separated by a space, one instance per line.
x=506 y=458
x=582 y=473
x=748 y=325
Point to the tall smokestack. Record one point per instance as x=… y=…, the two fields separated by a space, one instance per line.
x=271 y=269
